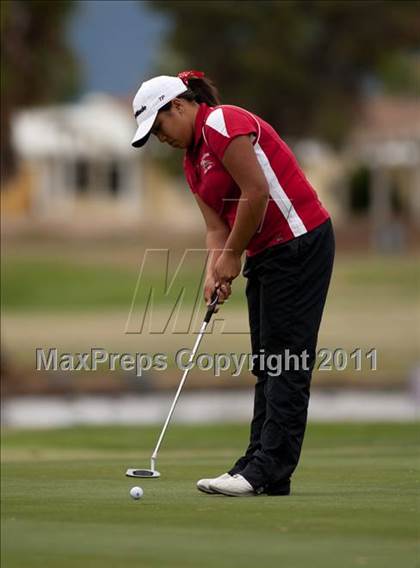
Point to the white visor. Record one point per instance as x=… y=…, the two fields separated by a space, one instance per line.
x=143 y=131
x=150 y=98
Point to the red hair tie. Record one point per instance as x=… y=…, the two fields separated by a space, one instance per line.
x=185 y=76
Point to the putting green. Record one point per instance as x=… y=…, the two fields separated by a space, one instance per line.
x=66 y=501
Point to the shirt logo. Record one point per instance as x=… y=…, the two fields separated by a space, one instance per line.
x=206 y=163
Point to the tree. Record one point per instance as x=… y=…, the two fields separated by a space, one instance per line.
x=300 y=64
x=37 y=66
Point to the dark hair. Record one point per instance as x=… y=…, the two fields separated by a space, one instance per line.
x=200 y=90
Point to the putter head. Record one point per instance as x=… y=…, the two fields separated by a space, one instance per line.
x=142 y=473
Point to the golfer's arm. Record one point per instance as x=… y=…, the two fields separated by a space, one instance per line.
x=241 y=162
x=216 y=235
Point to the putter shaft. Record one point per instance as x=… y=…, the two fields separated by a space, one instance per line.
x=152 y=472
x=210 y=311
x=178 y=392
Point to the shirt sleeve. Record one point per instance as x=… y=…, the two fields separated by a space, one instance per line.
x=226 y=123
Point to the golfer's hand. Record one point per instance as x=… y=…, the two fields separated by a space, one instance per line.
x=223 y=292
x=227 y=268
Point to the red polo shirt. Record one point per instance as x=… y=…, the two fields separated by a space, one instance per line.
x=293 y=208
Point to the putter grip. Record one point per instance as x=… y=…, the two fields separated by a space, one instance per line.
x=211 y=307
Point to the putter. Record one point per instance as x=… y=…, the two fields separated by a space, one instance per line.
x=152 y=472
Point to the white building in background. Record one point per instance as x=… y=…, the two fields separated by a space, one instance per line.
x=77 y=168
x=386 y=141
x=77 y=160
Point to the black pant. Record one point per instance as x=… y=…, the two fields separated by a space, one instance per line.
x=286 y=289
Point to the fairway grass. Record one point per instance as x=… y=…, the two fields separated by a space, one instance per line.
x=65 y=500
x=56 y=300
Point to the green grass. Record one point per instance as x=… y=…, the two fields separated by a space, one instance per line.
x=372 y=278
x=66 y=502
x=52 y=284
x=75 y=297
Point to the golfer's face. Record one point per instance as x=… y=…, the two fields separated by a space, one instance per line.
x=172 y=126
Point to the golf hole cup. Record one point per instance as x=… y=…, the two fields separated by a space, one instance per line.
x=136 y=493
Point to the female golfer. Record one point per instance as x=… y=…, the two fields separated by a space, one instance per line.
x=255 y=198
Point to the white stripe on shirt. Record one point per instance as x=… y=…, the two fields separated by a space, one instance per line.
x=279 y=195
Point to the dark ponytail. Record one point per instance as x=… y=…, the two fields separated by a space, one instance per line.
x=201 y=90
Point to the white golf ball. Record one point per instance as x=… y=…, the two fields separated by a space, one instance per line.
x=136 y=493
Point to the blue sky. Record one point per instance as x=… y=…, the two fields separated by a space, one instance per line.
x=117 y=43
